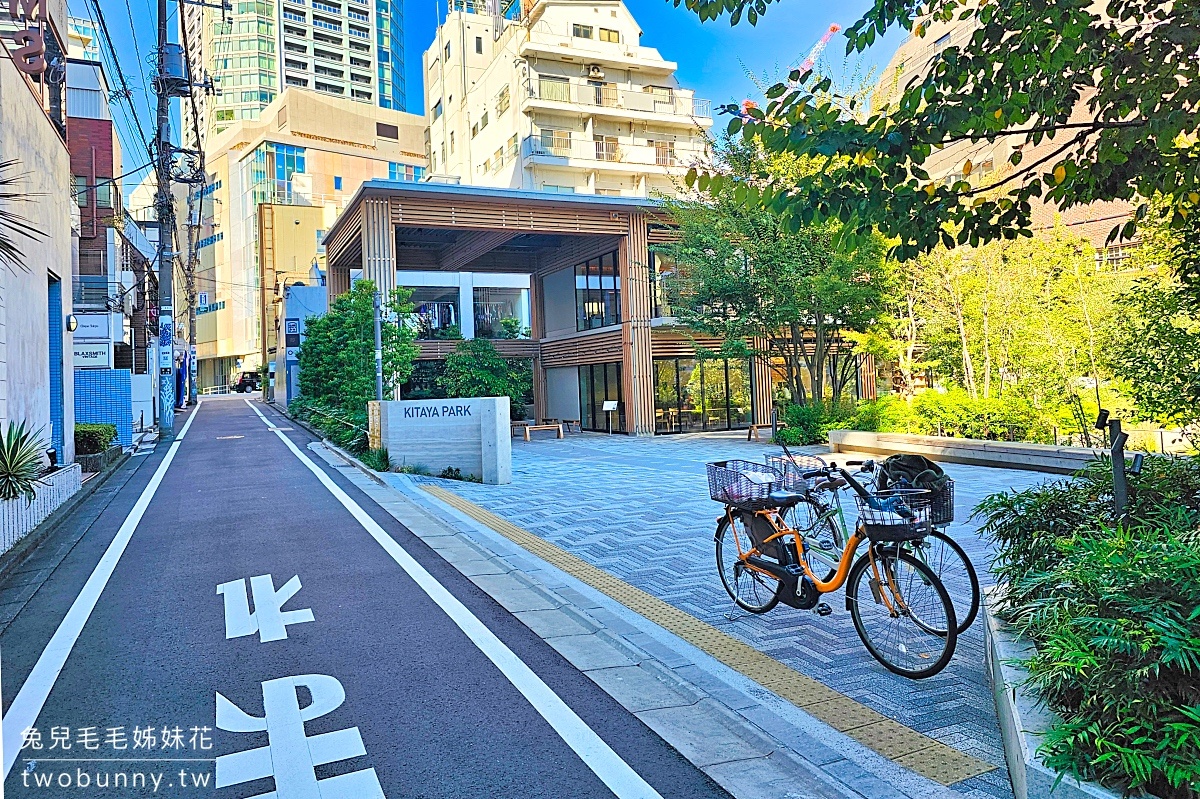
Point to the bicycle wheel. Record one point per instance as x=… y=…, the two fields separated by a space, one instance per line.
x=822 y=537
x=893 y=613
x=750 y=589
x=950 y=563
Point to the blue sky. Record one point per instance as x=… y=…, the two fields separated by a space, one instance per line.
x=713 y=57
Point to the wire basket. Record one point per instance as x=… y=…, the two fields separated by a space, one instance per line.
x=743 y=484
x=941 y=507
x=793 y=468
x=904 y=517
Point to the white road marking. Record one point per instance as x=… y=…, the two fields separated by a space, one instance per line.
x=614 y=772
x=268 y=620
x=23 y=712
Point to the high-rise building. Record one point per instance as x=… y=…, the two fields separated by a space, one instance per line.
x=352 y=49
x=563 y=98
x=273 y=187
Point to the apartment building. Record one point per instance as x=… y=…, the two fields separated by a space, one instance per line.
x=353 y=49
x=274 y=186
x=564 y=98
x=912 y=62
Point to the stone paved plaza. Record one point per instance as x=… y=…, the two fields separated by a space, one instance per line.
x=639 y=508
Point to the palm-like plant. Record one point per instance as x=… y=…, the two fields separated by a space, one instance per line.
x=20 y=461
x=12 y=223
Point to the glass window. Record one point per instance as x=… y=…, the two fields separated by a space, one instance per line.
x=691 y=395
x=661 y=266
x=581 y=31
x=479 y=44
x=597 y=292
x=337 y=183
x=501 y=313
x=435 y=312
x=81 y=190
x=607 y=35
x=104 y=193
x=598 y=383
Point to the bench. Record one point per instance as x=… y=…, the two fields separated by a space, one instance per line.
x=529 y=428
x=519 y=425
x=752 y=430
x=569 y=423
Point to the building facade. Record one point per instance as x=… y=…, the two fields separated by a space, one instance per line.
x=564 y=98
x=352 y=49
x=273 y=187
x=584 y=267
x=36 y=377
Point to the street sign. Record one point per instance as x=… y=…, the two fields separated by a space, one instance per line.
x=93 y=355
x=202 y=298
x=93 y=326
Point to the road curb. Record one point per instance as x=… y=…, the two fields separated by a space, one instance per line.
x=635 y=662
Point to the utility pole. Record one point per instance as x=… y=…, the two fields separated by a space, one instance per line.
x=195 y=210
x=378 y=349
x=166 y=229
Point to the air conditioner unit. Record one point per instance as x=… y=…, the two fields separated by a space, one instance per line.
x=594 y=71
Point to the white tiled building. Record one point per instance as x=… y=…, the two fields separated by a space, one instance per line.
x=564 y=99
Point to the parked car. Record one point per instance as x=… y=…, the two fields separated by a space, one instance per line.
x=246 y=383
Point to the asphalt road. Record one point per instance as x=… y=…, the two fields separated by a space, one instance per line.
x=386 y=673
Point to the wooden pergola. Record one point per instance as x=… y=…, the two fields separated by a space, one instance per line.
x=391 y=226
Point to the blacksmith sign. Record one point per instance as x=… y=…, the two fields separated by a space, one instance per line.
x=30 y=53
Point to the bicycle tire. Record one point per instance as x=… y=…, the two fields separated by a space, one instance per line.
x=804 y=518
x=743 y=580
x=917 y=656
x=962 y=570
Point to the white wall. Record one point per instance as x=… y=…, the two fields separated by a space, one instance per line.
x=558 y=301
x=562 y=392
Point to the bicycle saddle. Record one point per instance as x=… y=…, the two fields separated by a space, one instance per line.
x=784 y=499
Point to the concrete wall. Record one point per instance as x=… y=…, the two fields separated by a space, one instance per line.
x=562 y=393
x=300 y=303
x=26 y=134
x=472 y=435
x=558 y=301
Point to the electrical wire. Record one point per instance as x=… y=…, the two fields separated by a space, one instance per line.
x=107 y=181
x=102 y=25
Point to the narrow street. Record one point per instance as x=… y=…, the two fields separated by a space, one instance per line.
x=241 y=621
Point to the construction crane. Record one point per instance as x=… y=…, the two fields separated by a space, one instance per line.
x=808 y=63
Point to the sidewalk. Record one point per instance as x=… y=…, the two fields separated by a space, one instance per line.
x=700 y=688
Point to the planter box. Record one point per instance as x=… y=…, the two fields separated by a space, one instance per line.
x=93 y=464
x=973 y=451
x=17 y=517
x=1024 y=720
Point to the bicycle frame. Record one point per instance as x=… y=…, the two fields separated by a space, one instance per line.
x=773 y=517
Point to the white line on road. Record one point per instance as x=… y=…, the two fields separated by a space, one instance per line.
x=620 y=778
x=23 y=712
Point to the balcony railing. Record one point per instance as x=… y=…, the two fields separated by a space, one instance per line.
x=561 y=145
x=95 y=292
x=607 y=96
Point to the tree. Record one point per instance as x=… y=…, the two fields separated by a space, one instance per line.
x=770 y=291
x=12 y=223
x=1026 y=68
x=337 y=356
x=476 y=369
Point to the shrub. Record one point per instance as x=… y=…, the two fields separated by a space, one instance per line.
x=376 y=459
x=475 y=369
x=20 y=462
x=810 y=424
x=454 y=473
x=1114 y=612
x=92 y=439
x=346 y=428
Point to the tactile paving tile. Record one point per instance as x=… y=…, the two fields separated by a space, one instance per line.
x=921 y=754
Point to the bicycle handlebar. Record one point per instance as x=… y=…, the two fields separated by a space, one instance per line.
x=889 y=505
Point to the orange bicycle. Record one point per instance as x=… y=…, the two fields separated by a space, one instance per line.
x=900 y=608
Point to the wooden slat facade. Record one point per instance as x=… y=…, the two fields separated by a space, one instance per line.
x=438 y=349
x=598 y=346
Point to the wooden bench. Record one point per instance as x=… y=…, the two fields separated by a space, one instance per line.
x=518 y=425
x=752 y=431
x=569 y=423
x=529 y=428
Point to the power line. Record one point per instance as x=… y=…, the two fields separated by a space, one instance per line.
x=107 y=181
x=102 y=24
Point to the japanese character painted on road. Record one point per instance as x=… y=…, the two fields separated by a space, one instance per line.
x=267 y=620
x=290 y=756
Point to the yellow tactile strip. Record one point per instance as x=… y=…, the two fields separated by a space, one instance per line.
x=911 y=749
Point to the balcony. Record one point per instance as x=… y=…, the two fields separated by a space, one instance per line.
x=672 y=104
x=545 y=39
x=95 y=292
x=613 y=153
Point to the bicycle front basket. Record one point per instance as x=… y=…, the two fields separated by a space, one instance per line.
x=742 y=484
x=941 y=509
x=905 y=516
x=793 y=470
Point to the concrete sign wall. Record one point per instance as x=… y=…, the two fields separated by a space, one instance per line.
x=472 y=435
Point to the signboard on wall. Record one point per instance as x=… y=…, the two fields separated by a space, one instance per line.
x=93 y=326
x=93 y=355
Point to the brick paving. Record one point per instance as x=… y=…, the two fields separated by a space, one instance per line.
x=639 y=509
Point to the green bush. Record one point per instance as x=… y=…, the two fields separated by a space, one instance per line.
x=476 y=369
x=376 y=459
x=92 y=439
x=1114 y=612
x=810 y=424
x=346 y=428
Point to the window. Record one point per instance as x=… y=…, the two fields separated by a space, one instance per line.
x=555 y=142
x=512 y=146
x=337 y=182
x=80 y=187
x=558 y=89
x=608 y=192
x=502 y=101
x=483 y=120
x=447 y=51
x=942 y=42
x=385 y=131
x=451 y=142
x=437 y=109
x=607 y=35
x=553 y=189
x=607 y=148
x=581 y=31
x=661 y=266
x=597 y=293
x=406 y=172
x=479 y=45
x=292 y=81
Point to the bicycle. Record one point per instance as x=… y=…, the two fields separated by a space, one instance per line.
x=823 y=523
x=899 y=607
